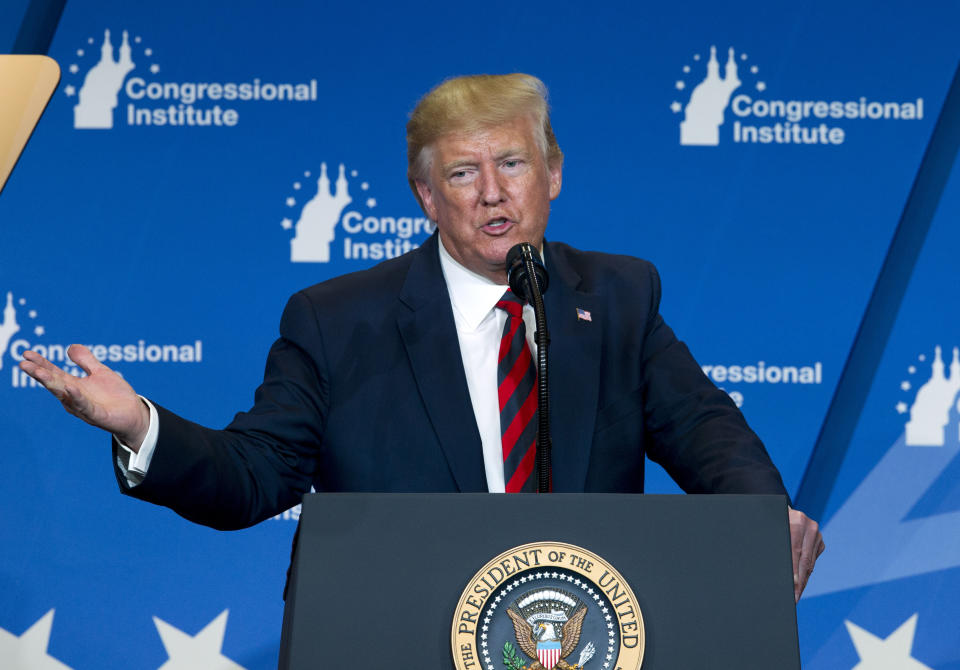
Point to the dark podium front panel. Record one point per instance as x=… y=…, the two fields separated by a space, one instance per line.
x=377 y=577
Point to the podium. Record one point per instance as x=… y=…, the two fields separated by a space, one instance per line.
x=378 y=580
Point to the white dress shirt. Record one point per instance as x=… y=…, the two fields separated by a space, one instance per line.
x=479 y=329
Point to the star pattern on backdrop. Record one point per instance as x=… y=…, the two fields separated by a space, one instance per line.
x=195 y=652
x=890 y=653
x=29 y=651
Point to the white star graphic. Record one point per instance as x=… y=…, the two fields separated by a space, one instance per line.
x=371 y=202
x=905 y=385
x=148 y=51
x=291 y=202
x=901 y=408
x=69 y=90
x=296 y=186
x=686 y=69
x=154 y=68
x=891 y=653
x=195 y=652
x=80 y=52
x=761 y=86
x=74 y=68
x=33 y=313
x=911 y=369
x=29 y=651
x=286 y=224
x=39 y=330
x=754 y=69
x=680 y=85
x=365 y=186
x=675 y=106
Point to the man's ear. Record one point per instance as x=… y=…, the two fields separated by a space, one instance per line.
x=556 y=179
x=426 y=196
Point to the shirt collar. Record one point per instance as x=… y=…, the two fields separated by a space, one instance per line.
x=473 y=296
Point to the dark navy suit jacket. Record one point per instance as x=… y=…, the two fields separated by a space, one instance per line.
x=365 y=391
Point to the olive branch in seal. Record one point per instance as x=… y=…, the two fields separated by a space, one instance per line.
x=511 y=659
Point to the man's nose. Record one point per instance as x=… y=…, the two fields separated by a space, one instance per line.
x=492 y=191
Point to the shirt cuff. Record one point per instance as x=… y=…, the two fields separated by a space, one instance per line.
x=134 y=465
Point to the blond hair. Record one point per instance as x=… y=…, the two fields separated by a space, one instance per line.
x=467 y=104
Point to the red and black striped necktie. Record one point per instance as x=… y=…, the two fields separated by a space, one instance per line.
x=517 y=388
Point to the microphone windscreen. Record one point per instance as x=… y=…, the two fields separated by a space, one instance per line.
x=517 y=258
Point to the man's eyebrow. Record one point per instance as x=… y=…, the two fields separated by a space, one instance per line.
x=467 y=162
x=513 y=151
x=460 y=162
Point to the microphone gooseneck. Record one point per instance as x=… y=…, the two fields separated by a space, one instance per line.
x=528 y=279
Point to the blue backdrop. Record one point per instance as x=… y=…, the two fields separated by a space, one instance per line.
x=200 y=162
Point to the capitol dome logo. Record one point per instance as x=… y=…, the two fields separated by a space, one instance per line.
x=741 y=94
x=97 y=98
x=704 y=112
x=117 y=80
x=324 y=227
x=937 y=399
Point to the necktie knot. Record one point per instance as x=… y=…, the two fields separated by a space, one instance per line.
x=511 y=304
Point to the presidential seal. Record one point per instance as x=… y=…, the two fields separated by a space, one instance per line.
x=547 y=605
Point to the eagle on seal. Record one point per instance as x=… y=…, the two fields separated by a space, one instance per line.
x=528 y=636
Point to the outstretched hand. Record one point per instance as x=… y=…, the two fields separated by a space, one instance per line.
x=102 y=398
x=806 y=544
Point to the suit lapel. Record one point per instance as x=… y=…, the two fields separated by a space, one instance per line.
x=574 y=370
x=430 y=337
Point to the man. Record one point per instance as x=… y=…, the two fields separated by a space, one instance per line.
x=387 y=379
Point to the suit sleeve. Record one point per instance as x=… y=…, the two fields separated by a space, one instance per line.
x=693 y=429
x=264 y=461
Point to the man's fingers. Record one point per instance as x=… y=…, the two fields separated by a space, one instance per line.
x=796 y=543
x=806 y=544
x=49 y=375
x=83 y=357
x=808 y=553
x=32 y=361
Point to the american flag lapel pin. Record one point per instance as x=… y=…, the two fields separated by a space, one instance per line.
x=583 y=315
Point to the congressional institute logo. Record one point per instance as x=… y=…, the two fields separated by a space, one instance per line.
x=547 y=605
x=759 y=118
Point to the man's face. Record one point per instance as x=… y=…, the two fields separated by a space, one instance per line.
x=489 y=190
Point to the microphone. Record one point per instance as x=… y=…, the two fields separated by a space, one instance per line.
x=528 y=280
x=518 y=259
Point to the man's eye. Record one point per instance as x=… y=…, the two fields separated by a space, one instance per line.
x=512 y=163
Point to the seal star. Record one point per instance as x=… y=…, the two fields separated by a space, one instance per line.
x=195 y=652
x=29 y=651
x=890 y=653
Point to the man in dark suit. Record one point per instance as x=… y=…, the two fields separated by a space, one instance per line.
x=386 y=380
